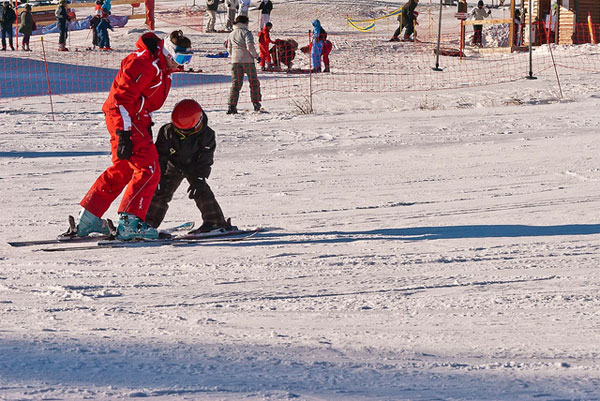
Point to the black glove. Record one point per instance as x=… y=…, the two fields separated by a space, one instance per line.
x=125 y=146
x=196 y=188
x=258 y=59
x=150 y=130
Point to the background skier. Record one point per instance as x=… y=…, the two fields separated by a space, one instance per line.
x=27 y=26
x=407 y=21
x=264 y=40
x=240 y=45
x=265 y=7
x=102 y=29
x=62 y=19
x=479 y=13
x=7 y=19
x=212 y=6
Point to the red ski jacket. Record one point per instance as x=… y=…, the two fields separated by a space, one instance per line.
x=141 y=85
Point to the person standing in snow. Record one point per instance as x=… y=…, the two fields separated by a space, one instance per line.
x=265 y=6
x=140 y=87
x=186 y=148
x=406 y=21
x=62 y=18
x=327 y=46
x=479 y=14
x=240 y=45
x=102 y=29
x=264 y=40
x=27 y=26
x=232 y=7
x=94 y=22
x=212 y=6
x=7 y=19
x=244 y=5
x=316 y=48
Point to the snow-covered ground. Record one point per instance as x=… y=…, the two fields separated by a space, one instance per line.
x=418 y=246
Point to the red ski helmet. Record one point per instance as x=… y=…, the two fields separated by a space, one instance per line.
x=187 y=115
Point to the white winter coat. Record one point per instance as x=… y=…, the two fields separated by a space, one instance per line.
x=240 y=45
x=479 y=13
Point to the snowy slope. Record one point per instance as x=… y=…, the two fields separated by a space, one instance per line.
x=418 y=246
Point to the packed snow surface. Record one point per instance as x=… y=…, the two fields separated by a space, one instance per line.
x=416 y=246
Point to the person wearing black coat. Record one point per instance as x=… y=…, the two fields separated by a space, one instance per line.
x=266 y=6
x=186 y=149
x=7 y=19
x=407 y=20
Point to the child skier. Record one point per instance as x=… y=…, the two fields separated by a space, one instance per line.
x=94 y=22
x=283 y=52
x=186 y=148
x=316 y=48
x=102 y=29
x=264 y=40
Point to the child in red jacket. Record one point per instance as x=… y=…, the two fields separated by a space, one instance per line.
x=264 y=40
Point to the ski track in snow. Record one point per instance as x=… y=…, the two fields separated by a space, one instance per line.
x=417 y=246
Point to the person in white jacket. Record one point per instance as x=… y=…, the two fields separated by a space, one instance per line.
x=244 y=6
x=240 y=45
x=478 y=14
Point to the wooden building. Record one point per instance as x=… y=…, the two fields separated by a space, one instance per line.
x=571 y=24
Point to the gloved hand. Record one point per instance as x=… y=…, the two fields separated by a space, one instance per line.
x=196 y=188
x=258 y=59
x=125 y=146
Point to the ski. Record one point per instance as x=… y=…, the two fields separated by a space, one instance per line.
x=187 y=226
x=230 y=236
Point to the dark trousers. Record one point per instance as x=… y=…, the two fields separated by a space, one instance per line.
x=7 y=32
x=410 y=28
x=103 y=38
x=62 y=37
x=477 y=34
x=26 y=39
x=238 y=70
x=169 y=182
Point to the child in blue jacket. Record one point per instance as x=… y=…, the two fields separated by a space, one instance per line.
x=102 y=29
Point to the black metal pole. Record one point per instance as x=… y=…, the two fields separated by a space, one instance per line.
x=437 y=53
x=531 y=40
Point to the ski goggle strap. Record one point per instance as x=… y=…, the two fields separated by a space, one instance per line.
x=180 y=55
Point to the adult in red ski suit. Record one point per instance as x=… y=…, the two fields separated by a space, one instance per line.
x=141 y=87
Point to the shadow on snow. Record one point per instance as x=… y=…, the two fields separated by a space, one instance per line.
x=61 y=363
x=422 y=233
x=36 y=155
x=27 y=77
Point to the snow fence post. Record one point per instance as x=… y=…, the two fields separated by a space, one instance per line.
x=310 y=72
x=47 y=78
x=530 y=14
x=437 y=53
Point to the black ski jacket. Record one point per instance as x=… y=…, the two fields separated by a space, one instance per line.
x=266 y=7
x=193 y=154
x=7 y=17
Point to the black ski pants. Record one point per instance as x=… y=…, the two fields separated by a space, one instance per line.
x=169 y=182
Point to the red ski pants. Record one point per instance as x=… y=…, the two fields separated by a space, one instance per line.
x=265 y=56
x=327 y=46
x=139 y=175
